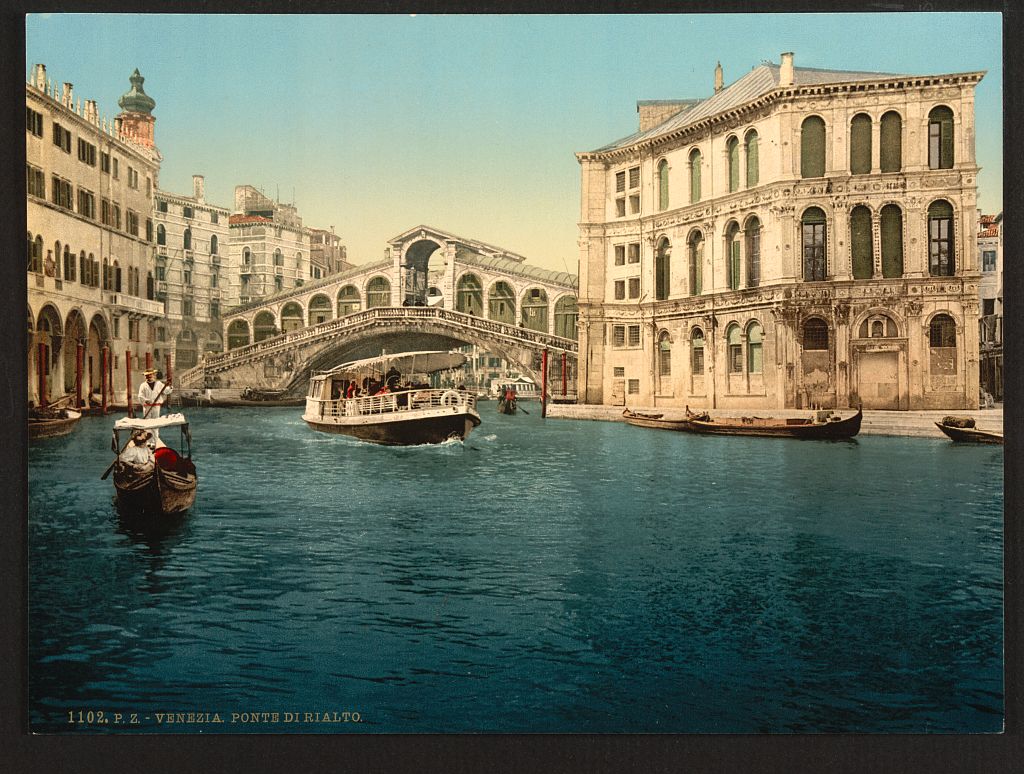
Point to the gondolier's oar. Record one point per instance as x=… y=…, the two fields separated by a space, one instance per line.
x=156 y=401
x=520 y=408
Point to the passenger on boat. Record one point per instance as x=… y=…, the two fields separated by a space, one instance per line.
x=352 y=389
x=393 y=378
x=153 y=394
x=137 y=453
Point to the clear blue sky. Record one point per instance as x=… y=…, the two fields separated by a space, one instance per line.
x=376 y=124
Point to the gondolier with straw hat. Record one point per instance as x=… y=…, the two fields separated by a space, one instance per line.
x=153 y=394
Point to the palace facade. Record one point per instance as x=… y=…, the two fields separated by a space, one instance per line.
x=801 y=238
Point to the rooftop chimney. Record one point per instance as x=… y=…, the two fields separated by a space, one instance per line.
x=198 y=188
x=39 y=77
x=718 y=77
x=786 y=69
x=67 y=97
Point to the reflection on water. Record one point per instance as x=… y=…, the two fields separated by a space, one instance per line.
x=544 y=576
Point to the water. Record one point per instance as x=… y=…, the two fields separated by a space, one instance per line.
x=562 y=576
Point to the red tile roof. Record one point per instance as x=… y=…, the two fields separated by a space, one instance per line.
x=236 y=219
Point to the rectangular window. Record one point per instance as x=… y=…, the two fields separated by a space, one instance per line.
x=633 y=386
x=105 y=162
x=86 y=152
x=215 y=309
x=988 y=260
x=132 y=223
x=117 y=216
x=33 y=122
x=161 y=206
x=61 y=137
x=618 y=372
x=634 y=252
x=149 y=230
x=620 y=182
x=35 y=181
x=620 y=255
x=634 y=287
x=735 y=358
x=149 y=187
x=618 y=335
x=620 y=207
x=634 y=335
x=188 y=307
x=187 y=277
x=213 y=217
x=133 y=178
x=988 y=306
x=60 y=192
x=698 y=361
x=620 y=290
x=814 y=251
x=117 y=326
x=106 y=215
x=86 y=204
x=116 y=171
x=634 y=177
x=213 y=280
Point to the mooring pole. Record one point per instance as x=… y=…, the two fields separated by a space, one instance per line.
x=79 y=353
x=167 y=373
x=544 y=384
x=563 y=375
x=128 y=381
x=110 y=378
x=105 y=352
x=149 y=360
x=41 y=367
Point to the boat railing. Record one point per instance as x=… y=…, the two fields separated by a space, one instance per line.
x=399 y=401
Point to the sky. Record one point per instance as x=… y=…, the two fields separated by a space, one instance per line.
x=375 y=124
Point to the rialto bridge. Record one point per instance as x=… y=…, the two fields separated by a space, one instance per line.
x=435 y=290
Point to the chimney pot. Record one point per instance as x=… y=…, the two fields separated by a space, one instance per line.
x=786 y=69
x=198 y=188
x=719 y=82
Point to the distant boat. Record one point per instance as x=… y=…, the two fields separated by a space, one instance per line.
x=52 y=423
x=825 y=425
x=397 y=416
x=524 y=388
x=249 y=397
x=168 y=485
x=962 y=430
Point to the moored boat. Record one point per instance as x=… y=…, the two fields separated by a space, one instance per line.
x=52 y=423
x=962 y=430
x=164 y=486
x=389 y=411
x=824 y=425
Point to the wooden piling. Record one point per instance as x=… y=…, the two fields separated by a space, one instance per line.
x=128 y=381
x=79 y=359
x=544 y=384
x=41 y=368
x=104 y=359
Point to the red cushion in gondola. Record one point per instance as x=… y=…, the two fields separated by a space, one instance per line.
x=166 y=457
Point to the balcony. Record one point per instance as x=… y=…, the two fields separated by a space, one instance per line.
x=215 y=259
x=127 y=303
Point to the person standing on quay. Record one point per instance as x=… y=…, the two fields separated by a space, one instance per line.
x=153 y=395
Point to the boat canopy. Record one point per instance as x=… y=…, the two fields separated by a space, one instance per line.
x=171 y=420
x=405 y=362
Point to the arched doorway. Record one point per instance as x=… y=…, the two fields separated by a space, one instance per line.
x=99 y=337
x=238 y=334
x=49 y=332
x=291 y=317
x=469 y=295
x=535 y=310
x=74 y=334
x=214 y=343
x=263 y=327
x=349 y=301
x=566 y=315
x=415 y=273
x=880 y=363
x=378 y=293
x=319 y=309
x=501 y=303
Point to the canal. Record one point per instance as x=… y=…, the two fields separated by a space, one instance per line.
x=545 y=576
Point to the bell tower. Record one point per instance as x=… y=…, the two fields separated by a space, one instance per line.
x=136 y=120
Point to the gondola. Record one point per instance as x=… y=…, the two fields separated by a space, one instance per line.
x=165 y=487
x=962 y=430
x=507 y=405
x=825 y=425
x=52 y=423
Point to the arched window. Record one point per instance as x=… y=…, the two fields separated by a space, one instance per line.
x=814 y=236
x=238 y=334
x=469 y=295
x=291 y=317
x=812 y=147
x=69 y=264
x=187 y=239
x=566 y=315
x=891 y=142
x=663 y=185
x=319 y=309
x=940 y=138
x=695 y=250
x=732 y=149
x=697 y=352
x=56 y=259
x=246 y=255
x=732 y=252
x=941 y=260
x=755 y=357
x=695 y=163
x=535 y=310
x=278 y=257
x=752 y=232
x=161 y=234
x=116 y=270
x=860 y=144
x=501 y=303
x=753 y=167
x=892 y=241
x=263 y=327
x=37 y=255
x=815 y=334
x=942 y=331
x=29 y=248
x=106 y=274
x=861 y=248
x=664 y=363
x=378 y=293
x=662 y=269
x=942 y=352
x=878 y=326
x=734 y=342
x=348 y=300
x=213 y=245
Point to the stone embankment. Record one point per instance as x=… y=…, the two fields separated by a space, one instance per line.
x=909 y=423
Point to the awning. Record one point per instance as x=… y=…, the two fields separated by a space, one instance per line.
x=171 y=420
x=405 y=362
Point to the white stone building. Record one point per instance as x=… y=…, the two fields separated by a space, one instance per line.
x=90 y=253
x=990 y=291
x=802 y=237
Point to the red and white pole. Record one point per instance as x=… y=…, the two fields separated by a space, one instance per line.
x=544 y=384
x=79 y=358
x=41 y=368
x=105 y=352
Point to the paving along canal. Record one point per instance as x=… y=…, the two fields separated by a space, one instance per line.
x=547 y=575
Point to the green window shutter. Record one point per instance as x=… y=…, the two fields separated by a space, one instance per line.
x=812 y=148
x=860 y=144
x=734 y=264
x=891 y=139
x=752 y=162
x=946 y=143
x=663 y=185
x=734 y=165
x=695 y=163
x=892 y=241
x=860 y=243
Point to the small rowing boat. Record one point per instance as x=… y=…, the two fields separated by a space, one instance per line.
x=45 y=423
x=962 y=430
x=824 y=425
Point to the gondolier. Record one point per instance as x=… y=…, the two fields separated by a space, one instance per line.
x=153 y=394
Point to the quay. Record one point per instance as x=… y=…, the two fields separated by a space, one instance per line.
x=906 y=423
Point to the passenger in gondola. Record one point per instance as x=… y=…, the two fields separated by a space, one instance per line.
x=137 y=453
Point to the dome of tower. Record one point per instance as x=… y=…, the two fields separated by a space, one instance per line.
x=136 y=100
